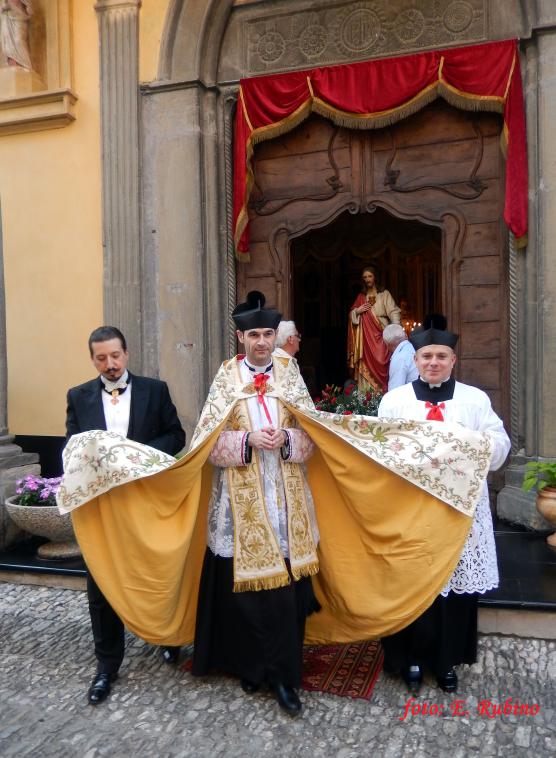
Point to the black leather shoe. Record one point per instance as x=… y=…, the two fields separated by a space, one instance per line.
x=448 y=681
x=249 y=687
x=100 y=688
x=170 y=654
x=413 y=677
x=288 y=699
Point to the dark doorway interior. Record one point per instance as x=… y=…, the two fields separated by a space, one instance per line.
x=326 y=267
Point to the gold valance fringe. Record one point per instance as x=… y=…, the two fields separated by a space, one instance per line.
x=469 y=102
x=456 y=98
x=375 y=120
x=264 y=133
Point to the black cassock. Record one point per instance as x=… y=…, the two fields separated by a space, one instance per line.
x=254 y=635
x=446 y=633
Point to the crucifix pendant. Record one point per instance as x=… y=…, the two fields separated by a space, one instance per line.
x=115 y=397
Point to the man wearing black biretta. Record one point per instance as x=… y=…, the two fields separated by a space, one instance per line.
x=255 y=591
x=446 y=634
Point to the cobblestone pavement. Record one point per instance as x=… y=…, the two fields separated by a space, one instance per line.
x=47 y=662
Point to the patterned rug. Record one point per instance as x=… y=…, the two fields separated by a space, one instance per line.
x=343 y=670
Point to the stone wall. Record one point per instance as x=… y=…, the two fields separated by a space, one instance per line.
x=186 y=121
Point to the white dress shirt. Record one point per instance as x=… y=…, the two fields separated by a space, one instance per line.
x=116 y=415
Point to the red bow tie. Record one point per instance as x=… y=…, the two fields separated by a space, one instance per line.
x=435 y=411
x=259 y=382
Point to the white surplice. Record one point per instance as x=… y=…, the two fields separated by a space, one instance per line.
x=477 y=570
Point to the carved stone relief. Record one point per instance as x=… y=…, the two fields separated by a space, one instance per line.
x=350 y=31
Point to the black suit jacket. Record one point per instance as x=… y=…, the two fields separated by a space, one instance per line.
x=153 y=419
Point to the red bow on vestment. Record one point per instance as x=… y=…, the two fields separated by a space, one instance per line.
x=259 y=382
x=435 y=412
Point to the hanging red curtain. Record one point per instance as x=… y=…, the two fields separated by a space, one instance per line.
x=373 y=94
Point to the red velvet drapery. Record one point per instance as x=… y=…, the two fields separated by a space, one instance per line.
x=376 y=93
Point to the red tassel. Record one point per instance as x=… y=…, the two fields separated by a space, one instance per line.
x=435 y=412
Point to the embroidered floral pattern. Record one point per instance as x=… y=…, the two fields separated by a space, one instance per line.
x=446 y=460
x=97 y=461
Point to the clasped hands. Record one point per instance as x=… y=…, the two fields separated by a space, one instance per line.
x=268 y=438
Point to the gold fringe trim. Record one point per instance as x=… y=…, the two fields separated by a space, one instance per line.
x=262 y=134
x=249 y=124
x=452 y=95
x=379 y=119
x=504 y=140
x=467 y=102
x=310 y=569
x=243 y=217
x=262 y=583
x=440 y=67
x=271 y=131
x=510 y=77
x=241 y=223
x=521 y=242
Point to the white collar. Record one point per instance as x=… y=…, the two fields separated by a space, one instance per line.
x=258 y=369
x=434 y=385
x=120 y=383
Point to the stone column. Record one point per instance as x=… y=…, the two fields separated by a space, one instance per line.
x=119 y=80
x=14 y=464
x=535 y=284
x=546 y=260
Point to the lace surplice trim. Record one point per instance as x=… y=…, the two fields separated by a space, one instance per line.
x=477 y=569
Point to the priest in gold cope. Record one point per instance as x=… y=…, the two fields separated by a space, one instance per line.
x=255 y=590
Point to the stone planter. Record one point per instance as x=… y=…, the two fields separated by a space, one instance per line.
x=46 y=521
x=546 y=506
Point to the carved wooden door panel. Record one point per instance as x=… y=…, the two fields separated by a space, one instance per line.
x=442 y=168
